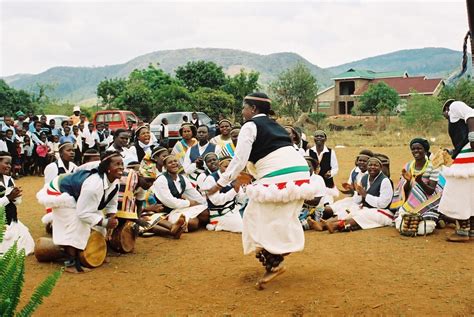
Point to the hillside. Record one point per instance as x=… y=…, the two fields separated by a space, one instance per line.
x=79 y=83
x=431 y=61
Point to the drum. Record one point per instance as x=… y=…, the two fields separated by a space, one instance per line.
x=95 y=252
x=47 y=251
x=123 y=237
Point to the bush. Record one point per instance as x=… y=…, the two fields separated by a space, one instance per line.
x=12 y=277
x=422 y=111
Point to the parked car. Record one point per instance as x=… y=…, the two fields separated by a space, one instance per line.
x=58 y=119
x=117 y=119
x=175 y=119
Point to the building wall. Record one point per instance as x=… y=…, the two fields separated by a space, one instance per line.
x=325 y=102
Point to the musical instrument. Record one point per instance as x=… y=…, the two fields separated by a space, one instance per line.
x=95 y=252
x=123 y=237
x=47 y=251
x=410 y=223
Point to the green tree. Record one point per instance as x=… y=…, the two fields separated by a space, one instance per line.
x=463 y=90
x=422 y=111
x=379 y=98
x=295 y=90
x=198 y=74
x=213 y=102
x=109 y=90
x=173 y=98
x=12 y=100
x=239 y=86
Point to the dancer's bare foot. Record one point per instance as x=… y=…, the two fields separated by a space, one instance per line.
x=269 y=276
x=74 y=270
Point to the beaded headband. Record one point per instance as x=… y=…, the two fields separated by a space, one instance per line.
x=258 y=99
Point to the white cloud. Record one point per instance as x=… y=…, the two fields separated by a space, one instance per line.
x=39 y=35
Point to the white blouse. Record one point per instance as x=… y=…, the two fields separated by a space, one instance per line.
x=162 y=192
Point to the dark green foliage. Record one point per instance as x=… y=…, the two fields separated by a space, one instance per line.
x=379 y=98
x=422 y=111
x=12 y=100
x=463 y=90
x=212 y=102
x=294 y=91
x=239 y=86
x=12 y=272
x=199 y=74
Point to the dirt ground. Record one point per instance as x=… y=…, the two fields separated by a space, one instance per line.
x=373 y=272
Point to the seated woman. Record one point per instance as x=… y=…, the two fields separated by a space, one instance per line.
x=310 y=214
x=418 y=186
x=229 y=148
x=223 y=205
x=188 y=134
x=224 y=138
x=79 y=202
x=339 y=207
x=142 y=144
x=370 y=205
x=178 y=197
x=10 y=197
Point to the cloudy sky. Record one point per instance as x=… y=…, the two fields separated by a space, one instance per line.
x=38 y=35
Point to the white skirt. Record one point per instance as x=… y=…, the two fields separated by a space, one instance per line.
x=369 y=218
x=188 y=212
x=17 y=231
x=339 y=207
x=231 y=221
x=271 y=217
x=457 y=201
x=68 y=229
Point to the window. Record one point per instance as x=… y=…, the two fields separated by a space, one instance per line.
x=99 y=118
x=324 y=105
x=131 y=117
x=342 y=107
x=350 y=105
x=346 y=88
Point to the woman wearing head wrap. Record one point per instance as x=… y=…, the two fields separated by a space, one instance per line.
x=223 y=206
x=271 y=226
x=10 y=197
x=225 y=126
x=418 y=185
x=79 y=202
x=188 y=138
x=295 y=138
x=120 y=144
x=178 y=197
x=142 y=144
x=229 y=148
x=457 y=201
x=370 y=203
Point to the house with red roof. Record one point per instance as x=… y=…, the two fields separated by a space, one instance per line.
x=342 y=97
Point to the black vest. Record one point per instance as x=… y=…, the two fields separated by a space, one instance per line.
x=270 y=137
x=324 y=166
x=140 y=151
x=61 y=170
x=374 y=189
x=10 y=208
x=227 y=206
x=173 y=189
x=458 y=132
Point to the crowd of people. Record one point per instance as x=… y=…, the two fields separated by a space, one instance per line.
x=260 y=179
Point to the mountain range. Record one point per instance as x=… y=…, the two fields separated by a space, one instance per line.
x=78 y=84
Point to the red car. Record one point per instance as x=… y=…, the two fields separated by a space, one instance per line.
x=116 y=118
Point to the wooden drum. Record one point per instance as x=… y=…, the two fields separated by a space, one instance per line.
x=123 y=237
x=95 y=252
x=47 y=251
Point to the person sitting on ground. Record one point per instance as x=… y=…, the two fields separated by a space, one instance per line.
x=223 y=205
x=193 y=161
x=120 y=145
x=312 y=213
x=327 y=163
x=10 y=197
x=188 y=133
x=339 y=207
x=225 y=126
x=418 y=184
x=229 y=148
x=80 y=201
x=142 y=144
x=178 y=196
x=370 y=204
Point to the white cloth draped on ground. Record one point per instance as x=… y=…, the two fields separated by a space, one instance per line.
x=457 y=201
x=16 y=231
x=275 y=200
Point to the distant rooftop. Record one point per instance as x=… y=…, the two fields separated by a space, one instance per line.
x=405 y=86
x=369 y=74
